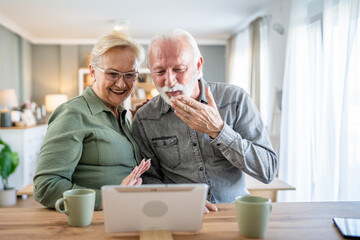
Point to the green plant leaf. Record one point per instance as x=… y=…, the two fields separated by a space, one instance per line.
x=5 y=164
x=8 y=162
x=14 y=161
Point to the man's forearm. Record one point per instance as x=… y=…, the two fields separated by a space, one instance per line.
x=255 y=159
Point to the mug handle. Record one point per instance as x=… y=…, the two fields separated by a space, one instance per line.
x=57 y=206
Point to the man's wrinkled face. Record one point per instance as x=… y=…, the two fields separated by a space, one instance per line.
x=167 y=92
x=173 y=69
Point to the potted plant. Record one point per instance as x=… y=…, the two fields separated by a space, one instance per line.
x=8 y=163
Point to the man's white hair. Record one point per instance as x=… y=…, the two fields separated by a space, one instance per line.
x=176 y=34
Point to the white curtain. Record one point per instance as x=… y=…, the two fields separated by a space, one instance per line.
x=239 y=60
x=248 y=63
x=320 y=130
x=255 y=61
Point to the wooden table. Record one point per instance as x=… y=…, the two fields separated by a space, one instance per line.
x=257 y=188
x=311 y=220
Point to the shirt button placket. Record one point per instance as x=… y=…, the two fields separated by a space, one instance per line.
x=197 y=156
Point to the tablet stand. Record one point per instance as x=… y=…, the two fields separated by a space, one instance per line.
x=156 y=235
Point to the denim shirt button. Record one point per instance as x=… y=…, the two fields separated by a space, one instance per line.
x=201 y=168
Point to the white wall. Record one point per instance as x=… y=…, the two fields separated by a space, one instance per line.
x=9 y=60
x=45 y=71
x=279 y=12
x=26 y=86
x=15 y=64
x=214 y=62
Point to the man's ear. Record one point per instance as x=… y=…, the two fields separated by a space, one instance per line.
x=199 y=65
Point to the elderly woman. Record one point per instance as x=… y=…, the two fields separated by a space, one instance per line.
x=88 y=143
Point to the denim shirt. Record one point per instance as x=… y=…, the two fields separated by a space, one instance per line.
x=180 y=154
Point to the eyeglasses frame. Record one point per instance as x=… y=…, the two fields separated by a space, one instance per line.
x=120 y=73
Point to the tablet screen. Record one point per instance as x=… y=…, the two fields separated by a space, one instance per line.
x=349 y=227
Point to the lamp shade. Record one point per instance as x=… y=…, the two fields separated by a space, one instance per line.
x=8 y=98
x=52 y=101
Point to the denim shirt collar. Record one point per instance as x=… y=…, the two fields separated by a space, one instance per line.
x=203 y=85
x=164 y=108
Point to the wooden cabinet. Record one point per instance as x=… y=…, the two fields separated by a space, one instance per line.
x=27 y=142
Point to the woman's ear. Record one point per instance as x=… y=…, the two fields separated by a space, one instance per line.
x=92 y=72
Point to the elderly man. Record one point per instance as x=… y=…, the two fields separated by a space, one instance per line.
x=200 y=132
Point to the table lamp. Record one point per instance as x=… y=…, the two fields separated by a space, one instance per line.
x=8 y=100
x=52 y=101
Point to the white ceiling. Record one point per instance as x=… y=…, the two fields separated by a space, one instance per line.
x=82 y=21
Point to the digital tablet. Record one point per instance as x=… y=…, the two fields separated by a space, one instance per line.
x=349 y=227
x=174 y=207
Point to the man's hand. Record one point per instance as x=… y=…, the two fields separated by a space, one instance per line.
x=210 y=206
x=200 y=117
x=134 y=177
x=138 y=106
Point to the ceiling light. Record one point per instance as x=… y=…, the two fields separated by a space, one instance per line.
x=121 y=25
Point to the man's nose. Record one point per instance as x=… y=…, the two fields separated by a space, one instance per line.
x=170 y=78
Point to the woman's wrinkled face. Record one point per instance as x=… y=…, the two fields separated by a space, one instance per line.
x=113 y=93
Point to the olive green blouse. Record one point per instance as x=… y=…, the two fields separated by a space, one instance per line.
x=84 y=147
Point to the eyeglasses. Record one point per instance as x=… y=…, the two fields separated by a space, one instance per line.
x=114 y=76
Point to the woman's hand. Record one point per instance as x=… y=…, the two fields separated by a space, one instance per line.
x=138 y=106
x=134 y=177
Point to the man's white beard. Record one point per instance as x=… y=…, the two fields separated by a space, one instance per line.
x=187 y=89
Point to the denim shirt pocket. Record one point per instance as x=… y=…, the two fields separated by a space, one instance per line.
x=167 y=150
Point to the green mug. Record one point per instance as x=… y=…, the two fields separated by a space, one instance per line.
x=78 y=206
x=252 y=215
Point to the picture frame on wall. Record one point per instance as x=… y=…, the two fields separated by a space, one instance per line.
x=84 y=79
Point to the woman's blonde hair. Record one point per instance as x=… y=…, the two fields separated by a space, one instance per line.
x=112 y=40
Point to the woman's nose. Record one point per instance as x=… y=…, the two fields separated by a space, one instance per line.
x=121 y=82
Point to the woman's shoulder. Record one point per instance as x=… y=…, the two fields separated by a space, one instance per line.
x=77 y=104
x=71 y=109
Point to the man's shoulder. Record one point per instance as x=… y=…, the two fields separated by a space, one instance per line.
x=226 y=90
x=151 y=109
